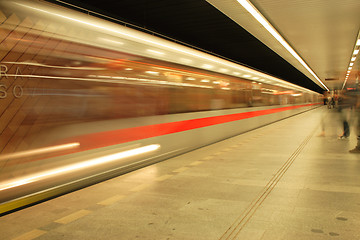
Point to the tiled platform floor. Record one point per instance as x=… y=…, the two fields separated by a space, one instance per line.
x=281 y=181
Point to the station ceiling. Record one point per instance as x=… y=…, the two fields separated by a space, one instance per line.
x=322 y=32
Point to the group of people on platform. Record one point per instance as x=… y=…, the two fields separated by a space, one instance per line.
x=347 y=103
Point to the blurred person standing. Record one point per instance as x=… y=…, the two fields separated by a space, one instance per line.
x=346 y=102
x=356 y=97
x=329 y=102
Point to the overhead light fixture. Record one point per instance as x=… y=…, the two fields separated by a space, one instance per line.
x=262 y=20
x=353 y=58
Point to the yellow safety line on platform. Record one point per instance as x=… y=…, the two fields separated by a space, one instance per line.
x=163 y=178
x=195 y=163
x=140 y=187
x=30 y=235
x=27 y=200
x=111 y=200
x=182 y=169
x=72 y=217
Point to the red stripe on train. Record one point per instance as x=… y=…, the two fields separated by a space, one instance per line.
x=108 y=138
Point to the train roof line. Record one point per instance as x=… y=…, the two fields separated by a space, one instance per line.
x=145 y=30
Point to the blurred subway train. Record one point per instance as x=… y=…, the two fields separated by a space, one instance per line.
x=83 y=99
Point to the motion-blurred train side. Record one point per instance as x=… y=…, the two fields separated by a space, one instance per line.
x=83 y=99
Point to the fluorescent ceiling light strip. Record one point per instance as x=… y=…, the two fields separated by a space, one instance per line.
x=260 y=18
x=353 y=58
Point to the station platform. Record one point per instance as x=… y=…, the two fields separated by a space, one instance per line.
x=281 y=181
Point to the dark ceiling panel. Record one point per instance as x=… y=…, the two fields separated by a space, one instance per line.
x=199 y=24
